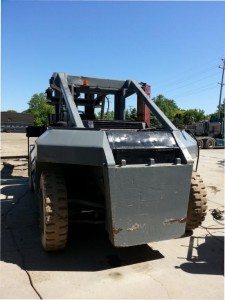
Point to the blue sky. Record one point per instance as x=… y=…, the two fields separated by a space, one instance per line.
x=174 y=46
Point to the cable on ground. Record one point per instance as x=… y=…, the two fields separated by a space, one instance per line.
x=23 y=266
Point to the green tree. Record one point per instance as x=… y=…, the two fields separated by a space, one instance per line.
x=131 y=114
x=168 y=106
x=193 y=115
x=178 y=119
x=188 y=117
x=214 y=116
x=109 y=115
x=40 y=109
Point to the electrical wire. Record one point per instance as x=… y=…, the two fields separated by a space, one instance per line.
x=18 y=249
x=197 y=91
x=192 y=82
x=219 y=214
x=218 y=222
x=207 y=229
x=211 y=227
x=23 y=267
x=107 y=104
x=188 y=75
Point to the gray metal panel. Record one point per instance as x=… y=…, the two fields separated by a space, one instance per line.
x=187 y=144
x=147 y=203
x=71 y=106
x=74 y=147
x=96 y=82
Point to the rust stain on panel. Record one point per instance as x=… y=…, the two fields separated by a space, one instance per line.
x=171 y=221
x=116 y=230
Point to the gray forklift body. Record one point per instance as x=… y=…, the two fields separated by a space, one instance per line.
x=146 y=173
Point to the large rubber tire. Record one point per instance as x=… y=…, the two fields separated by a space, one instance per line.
x=210 y=143
x=200 y=143
x=197 y=205
x=54 y=211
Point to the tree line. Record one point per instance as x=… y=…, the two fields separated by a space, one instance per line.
x=39 y=107
x=180 y=117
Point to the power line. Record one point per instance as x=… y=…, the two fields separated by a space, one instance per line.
x=188 y=75
x=192 y=75
x=192 y=82
x=197 y=91
x=205 y=63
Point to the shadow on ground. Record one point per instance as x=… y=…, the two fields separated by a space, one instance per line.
x=221 y=163
x=209 y=259
x=88 y=248
x=7 y=170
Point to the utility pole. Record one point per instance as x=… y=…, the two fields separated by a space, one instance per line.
x=221 y=86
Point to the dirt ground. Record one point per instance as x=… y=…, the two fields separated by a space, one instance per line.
x=90 y=268
x=13 y=144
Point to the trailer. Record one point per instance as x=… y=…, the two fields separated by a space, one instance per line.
x=209 y=134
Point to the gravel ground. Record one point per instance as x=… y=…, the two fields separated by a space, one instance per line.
x=90 y=268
